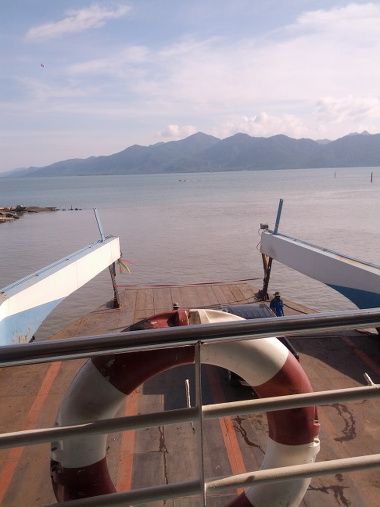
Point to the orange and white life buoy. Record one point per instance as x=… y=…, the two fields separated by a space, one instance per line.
x=78 y=465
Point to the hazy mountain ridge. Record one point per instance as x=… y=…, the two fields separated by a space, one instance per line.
x=202 y=152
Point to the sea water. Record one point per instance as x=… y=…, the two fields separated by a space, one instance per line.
x=186 y=228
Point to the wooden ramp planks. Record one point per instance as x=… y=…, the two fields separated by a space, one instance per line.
x=25 y=472
x=169 y=454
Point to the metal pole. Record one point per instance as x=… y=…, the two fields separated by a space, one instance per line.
x=199 y=406
x=278 y=217
x=188 y=399
x=112 y=268
x=290 y=401
x=138 y=496
x=292 y=472
x=258 y=477
x=267 y=261
x=100 y=227
x=37 y=436
x=148 y=339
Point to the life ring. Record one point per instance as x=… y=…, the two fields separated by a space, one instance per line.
x=78 y=464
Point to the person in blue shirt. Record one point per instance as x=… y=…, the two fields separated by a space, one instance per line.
x=277 y=305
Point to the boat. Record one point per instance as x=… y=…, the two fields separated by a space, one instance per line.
x=192 y=437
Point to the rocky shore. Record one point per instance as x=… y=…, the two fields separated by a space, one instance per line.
x=8 y=214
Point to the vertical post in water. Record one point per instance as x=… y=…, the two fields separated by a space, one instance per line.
x=112 y=267
x=267 y=262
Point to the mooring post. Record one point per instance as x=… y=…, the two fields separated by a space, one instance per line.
x=116 y=297
x=267 y=261
x=267 y=266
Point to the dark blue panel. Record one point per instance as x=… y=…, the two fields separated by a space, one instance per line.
x=361 y=298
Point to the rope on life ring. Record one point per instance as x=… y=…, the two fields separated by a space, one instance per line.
x=78 y=464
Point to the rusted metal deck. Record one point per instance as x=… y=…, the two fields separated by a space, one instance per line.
x=30 y=397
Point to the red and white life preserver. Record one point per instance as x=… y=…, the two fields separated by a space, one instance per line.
x=78 y=465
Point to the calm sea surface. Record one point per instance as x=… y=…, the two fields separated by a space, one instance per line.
x=191 y=227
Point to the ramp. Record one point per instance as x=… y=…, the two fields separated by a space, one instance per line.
x=355 y=279
x=25 y=304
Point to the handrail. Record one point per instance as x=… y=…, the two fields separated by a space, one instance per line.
x=137 y=496
x=295 y=471
x=141 y=496
x=117 y=343
x=214 y=411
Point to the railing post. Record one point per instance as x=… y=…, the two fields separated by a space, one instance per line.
x=198 y=397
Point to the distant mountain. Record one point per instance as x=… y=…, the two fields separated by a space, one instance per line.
x=364 y=133
x=202 y=152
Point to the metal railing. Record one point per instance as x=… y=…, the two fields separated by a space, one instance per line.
x=112 y=343
x=148 y=339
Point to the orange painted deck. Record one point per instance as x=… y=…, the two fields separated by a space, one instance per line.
x=30 y=397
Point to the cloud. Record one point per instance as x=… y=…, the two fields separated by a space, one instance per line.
x=177 y=131
x=345 y=21
x=322 y=67
x=43 y=92
x=317 y=77
x=287 y=69
x=114 y=65
x=263 y=125
x=348 y=108
x=348 y=114
x=93 y=16
x=337 y=115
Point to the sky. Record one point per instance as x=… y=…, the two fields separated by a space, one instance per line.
x=81 y=78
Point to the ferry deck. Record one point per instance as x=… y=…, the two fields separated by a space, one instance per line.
x=31 y=395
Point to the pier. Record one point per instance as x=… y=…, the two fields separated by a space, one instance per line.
x=30 y=397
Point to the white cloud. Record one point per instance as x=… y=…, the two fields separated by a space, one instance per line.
x=177 y=131
x=115 y=65
x=315 y=78
x=344 y=21
x=43 y=92
x=348 y=114
x=280 y=74
x=93 y=16
x=309 y=77
x=263 y=125
x=346 y=108
x=332 y=53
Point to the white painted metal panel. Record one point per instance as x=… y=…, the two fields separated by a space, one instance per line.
x=26 y=303
x=355 y=279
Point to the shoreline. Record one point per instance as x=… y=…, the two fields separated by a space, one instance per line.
x=10 y=213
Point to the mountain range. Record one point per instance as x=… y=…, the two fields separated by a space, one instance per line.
x=205 y=153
